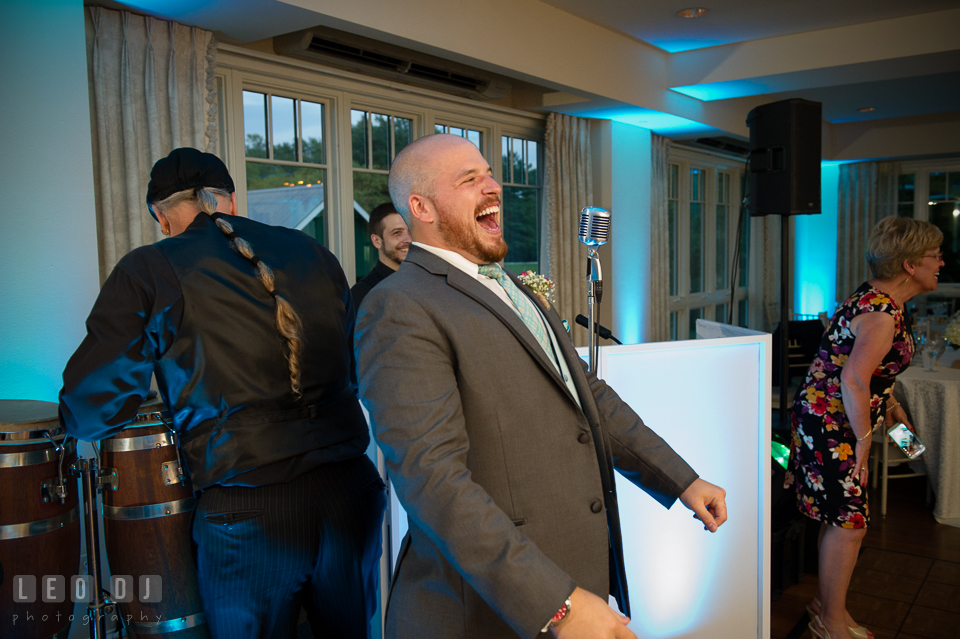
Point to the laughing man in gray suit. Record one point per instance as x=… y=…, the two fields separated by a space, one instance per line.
x=500 y=444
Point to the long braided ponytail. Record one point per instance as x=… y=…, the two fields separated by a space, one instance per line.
x=288 y=322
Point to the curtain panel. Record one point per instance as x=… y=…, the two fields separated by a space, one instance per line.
x=569 y=188
x=659 y=244
x=867 y=194
x=152 y=89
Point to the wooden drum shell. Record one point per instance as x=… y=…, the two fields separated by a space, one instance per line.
x=27 y=550
x=143 y=539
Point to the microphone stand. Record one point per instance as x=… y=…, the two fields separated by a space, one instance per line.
x=594 y=295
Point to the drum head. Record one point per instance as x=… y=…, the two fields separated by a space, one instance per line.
x=151 y=413
x=25 y=415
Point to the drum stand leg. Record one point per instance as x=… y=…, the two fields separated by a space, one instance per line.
x=99 y=606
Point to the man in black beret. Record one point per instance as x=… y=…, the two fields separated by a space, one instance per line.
x=248 y=329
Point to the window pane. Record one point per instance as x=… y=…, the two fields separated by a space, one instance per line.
x=370 y=189
x=742 y=316
x=402 y=134
x=942 y=215
x=255 y=124
x=284 y=117
x=532 y=163
x=380 y=138
x=696 y=247
x=455 y=131
x=284 y=195
x=953 y=186
x=521 y=228
x=696 y=179
x=938 y=186
x=720 y=313
x=673 y=326
x=518 y=166
x=905 y=188
x=672 y=238
x=358 y=137
x=505 y=153
x=721 y=245
x=905 y=210
x=312 y=122
x=695 y=314
x=474 y=136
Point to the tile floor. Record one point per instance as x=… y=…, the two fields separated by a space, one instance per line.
x=907 y=581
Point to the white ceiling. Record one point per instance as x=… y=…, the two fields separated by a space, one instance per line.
x=900 y=58
x=728 y=21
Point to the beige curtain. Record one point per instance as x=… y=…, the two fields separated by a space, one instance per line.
x=152 y=90
x=867 y=193
x=659 y=246
x=568 y=189
x=763 y=290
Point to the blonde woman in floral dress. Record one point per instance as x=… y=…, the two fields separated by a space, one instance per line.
x=846 y=395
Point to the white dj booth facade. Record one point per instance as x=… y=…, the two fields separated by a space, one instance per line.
x=710 y=400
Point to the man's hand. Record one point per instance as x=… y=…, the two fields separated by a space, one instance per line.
x=708 y=502
x=591 y=618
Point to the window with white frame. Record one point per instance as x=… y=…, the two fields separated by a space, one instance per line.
x=930 y=191
x=286 y=161
x=269 y=134
x=521 y=203
x=703 y=217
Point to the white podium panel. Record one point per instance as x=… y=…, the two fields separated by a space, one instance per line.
x=709 y=400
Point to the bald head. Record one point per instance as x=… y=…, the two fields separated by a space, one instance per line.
x=444 y=188
x=415 y=169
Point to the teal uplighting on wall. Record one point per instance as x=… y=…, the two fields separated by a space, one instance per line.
x=630 y=202
x=815 y=249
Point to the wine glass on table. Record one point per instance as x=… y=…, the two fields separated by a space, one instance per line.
x=919 y=339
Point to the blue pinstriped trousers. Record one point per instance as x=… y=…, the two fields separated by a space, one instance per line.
x=262 y=552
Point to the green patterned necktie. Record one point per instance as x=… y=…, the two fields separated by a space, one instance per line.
x=528 y=312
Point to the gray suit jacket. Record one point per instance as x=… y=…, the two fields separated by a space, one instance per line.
x=508 y=484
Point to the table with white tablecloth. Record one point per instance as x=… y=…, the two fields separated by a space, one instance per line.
x=932 y=400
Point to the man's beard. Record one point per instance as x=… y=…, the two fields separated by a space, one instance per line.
x=456 y=233
x=395 y=254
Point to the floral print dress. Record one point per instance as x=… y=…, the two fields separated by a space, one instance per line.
x=822 y=449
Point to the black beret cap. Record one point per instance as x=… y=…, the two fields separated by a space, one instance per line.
x=186 y=168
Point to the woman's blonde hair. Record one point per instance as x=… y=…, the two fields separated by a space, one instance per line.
x=895 y=240
x=288 y=322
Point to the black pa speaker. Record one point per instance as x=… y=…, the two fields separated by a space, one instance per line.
x=784 y=169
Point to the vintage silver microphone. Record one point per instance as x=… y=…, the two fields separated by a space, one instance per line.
x=594 y=232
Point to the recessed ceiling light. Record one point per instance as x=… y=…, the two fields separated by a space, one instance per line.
x=693 y=12
x=867 y=109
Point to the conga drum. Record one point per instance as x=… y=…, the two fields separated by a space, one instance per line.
x=39 y=520
x=147 y=516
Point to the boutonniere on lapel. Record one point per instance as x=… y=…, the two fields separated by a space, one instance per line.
x=542 y=286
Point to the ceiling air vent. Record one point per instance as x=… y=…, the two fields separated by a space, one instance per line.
x=347 y=51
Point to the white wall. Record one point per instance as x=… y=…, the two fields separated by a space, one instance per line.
x=48 y=244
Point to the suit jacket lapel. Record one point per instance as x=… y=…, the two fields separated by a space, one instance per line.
x=484 y=296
